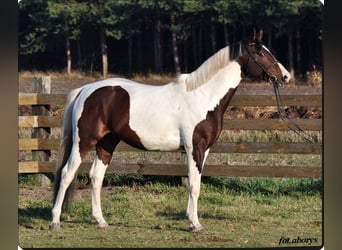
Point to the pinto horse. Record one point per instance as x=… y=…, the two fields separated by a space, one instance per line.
x=187 y=112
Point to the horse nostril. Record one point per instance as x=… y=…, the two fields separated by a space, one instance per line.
x=285 y=78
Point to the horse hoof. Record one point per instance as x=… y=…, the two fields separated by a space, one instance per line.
x=103 y=226
x=195 y=229
x=55 y=226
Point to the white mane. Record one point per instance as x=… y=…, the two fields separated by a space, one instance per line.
x=206 y=71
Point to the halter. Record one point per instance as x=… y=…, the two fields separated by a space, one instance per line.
x=271 y=78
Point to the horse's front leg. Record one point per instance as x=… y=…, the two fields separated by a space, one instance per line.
x=194 y=179
x=96 y=175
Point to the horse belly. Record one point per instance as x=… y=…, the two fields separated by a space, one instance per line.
x=156 y=136
x=157 y=130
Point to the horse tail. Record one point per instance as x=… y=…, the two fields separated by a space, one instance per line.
x=65 y=149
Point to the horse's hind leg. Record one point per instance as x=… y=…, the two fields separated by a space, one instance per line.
x=67 y=176
x=104 y=149
x=96 y=175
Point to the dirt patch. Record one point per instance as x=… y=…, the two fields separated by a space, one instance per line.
x=35 y=193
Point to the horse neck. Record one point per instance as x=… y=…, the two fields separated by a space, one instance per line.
x=218 y=86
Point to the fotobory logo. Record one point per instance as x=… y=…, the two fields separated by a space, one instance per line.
x=298 y=240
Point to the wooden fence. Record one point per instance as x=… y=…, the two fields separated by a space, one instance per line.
x=178 y=167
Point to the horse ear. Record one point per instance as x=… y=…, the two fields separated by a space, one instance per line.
x=259 y=35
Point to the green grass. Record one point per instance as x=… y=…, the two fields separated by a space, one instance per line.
x=27 y=179
x=236 y=212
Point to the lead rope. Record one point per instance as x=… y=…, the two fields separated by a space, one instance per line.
x=299 y=131
x=274 y=80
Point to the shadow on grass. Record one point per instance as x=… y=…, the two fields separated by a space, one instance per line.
x=182 y=215
x=35 y=212
x=172 y=215
x=26 y=215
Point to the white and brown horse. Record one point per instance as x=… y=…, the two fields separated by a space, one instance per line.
x=187 y=112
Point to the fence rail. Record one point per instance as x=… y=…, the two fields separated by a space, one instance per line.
x=237 y=100
x=147 y=168
x=218 y=147
x=228 y=124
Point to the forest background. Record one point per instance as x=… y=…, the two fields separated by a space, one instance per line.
x=162 y=36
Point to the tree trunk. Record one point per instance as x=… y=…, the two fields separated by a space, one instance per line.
x=298 y=58
x=156 y=57
x=269 y=38
x=310 y=53
x=79 y=55
x=92 y=63
x=68 y=54
x=157 y=47
x=226 y=34
x=200 y=45
x=318 y=51
x=234 y=35
x=243 y=28
x=140 y=50
x=129 y=56
x=174 y=44
x=213 y=37
x=194 y=46
x=290 y=49
x=185 y=57
x=104 y=52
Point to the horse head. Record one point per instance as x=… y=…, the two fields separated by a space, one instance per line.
x=257 y=61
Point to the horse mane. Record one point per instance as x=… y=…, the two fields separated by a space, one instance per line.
x=210 y=67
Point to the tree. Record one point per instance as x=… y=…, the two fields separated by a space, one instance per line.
x=288 y=19
x=114 y=19
x=164 y=35
x=156 y=10
x=98 y=17
x=34 y=26
x=184 y=16
x=66 y=17
x=289 y=10
x=309 y=20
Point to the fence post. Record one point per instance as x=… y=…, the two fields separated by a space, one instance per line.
x=41 y=85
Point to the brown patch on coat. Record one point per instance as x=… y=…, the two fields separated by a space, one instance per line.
x=208 y=130
x=105 y=122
